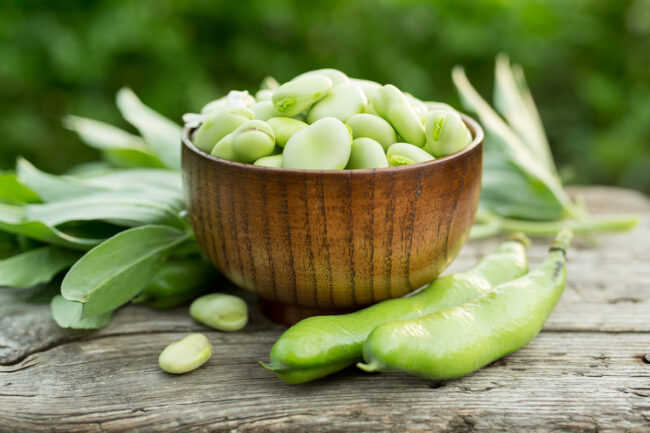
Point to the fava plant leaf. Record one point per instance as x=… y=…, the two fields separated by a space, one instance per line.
x=37 y=266
x=112 y=273
x=67 y=314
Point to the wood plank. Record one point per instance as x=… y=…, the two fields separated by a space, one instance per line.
x=578 y=381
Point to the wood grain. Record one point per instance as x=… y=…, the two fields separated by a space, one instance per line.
x=328 y=240
x=584 y=373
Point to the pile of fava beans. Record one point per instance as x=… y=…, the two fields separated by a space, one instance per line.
x=324 y=120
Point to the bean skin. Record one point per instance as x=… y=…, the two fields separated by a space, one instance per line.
x=456 y=341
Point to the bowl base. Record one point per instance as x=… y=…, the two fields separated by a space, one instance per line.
x=289 y=315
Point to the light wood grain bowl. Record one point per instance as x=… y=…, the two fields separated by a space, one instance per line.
x=316 y=242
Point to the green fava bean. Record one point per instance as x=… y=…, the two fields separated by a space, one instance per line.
x=294 y=97
x=284 y=128
x=343 y=101
x=323 y=145
x=217 y=126
x=264 y=95
x=419 y=108
x=270 y=161
x=371 y=126
x=366 y=153
x=318 y=346
x=335 y=75
x=405 y=153
x=252 y=140
x=264 y=110
x=456 y=341
x=220 y=311
x=433 y=105
x=446 y=133
x=186 y=354
x=368 y=87
x=391 y=104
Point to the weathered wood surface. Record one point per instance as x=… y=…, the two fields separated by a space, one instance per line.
x=588 y=371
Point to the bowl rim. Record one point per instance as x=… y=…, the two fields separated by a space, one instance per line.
x=473 y=125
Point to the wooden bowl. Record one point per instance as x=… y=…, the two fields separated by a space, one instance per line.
x=314 y=242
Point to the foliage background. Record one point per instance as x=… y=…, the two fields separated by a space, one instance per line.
x=587 y=62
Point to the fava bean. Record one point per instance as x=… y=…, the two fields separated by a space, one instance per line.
x=446 y=133
x=186 y=354
x=456 y=341
x=264 y=95
x=220 y=311
x=217 y=126
x=264 y=110
x=335 y=75
x=368 y=87
x=342 y=102
x=252 y=140
x=323 y=145
x=391 y=104
x=371 y=126
x=270 y=161
x=405 y=153
x=366 y=153
x=298 y=95
x=284 y=128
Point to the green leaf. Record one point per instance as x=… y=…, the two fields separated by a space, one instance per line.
x=118 y=146
x=128 y=209
x=49 y=186
x=508 y=145
x=115 y=271
x=36 y=266
x=165 y=183
x=513 y=99
x=163 y=135
x=13 y=191
x=13 y=220
x=67 y=314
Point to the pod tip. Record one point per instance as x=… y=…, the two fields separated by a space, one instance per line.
x=369 y=368
x=520 y=237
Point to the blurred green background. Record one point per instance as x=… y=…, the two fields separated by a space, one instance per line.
x=587 y=62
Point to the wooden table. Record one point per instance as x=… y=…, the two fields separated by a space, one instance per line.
x=588 y=370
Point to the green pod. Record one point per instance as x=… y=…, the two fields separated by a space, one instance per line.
x=446 y=133
x=391 y=104
x=264 y=110
x=284 y=128
x=318 y=346
x=323 y=145
x=264 y=95
x=405 y=153
x=335 y=75
x=176 y=282
x=366 y=153
x=456 y=341
x=296 y=96
x=371 y=126
x=343 y=101
x=270 y=161
x=368 y=87
x=220 y=124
